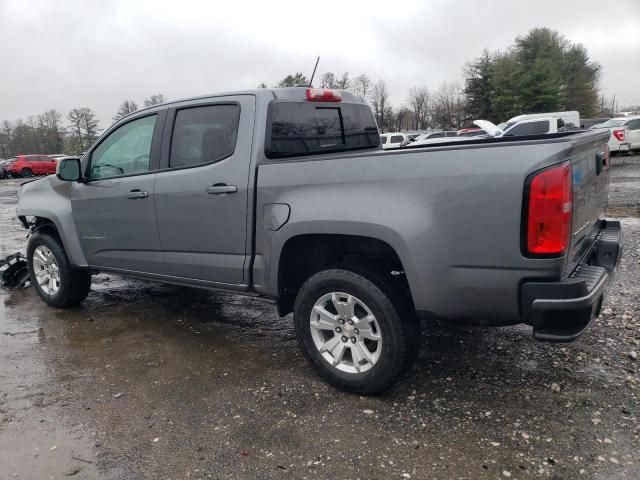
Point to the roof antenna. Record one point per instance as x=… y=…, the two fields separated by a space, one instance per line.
x=314 y=72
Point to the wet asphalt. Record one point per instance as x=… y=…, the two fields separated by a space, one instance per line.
x=147 y=381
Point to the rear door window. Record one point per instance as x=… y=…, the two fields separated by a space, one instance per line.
x=299 y=128
x=397 y=139
x=203 y=135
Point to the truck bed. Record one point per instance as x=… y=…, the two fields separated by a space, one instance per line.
x=452 y=212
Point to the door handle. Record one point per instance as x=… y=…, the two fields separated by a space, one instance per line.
x=221 y=188
x=134 y=194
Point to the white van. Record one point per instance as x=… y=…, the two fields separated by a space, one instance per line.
x=392 y=140
x=571 y=119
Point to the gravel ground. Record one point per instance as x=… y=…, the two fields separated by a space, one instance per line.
x=152 y=381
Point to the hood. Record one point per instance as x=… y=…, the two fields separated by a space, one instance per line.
x=488 y=127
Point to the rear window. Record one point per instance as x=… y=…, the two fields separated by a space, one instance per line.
x=299 y=128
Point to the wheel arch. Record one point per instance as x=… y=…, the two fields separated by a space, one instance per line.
x=305 y=254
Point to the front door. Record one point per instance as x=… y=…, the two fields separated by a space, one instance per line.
x=202 y=194
x=114 y=207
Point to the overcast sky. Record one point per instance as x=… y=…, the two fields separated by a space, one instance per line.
x=64 y=54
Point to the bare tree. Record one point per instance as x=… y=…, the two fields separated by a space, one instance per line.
x=84 y=128
x=51 y=131
x=449 y=106
x=343 y=83
x=328 y=80
x=380 y=103
x=361 y=85
x=419 y=100
x=156 y=99
x=402 y=119
x=126 y=107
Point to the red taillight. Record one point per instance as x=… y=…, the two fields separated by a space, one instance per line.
x=619 y=134
x=549 y=211
x=323 y=95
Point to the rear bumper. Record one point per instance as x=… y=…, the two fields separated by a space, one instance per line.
x=620 y=147
x=561 y=311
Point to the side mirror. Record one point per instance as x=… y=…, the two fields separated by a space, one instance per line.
x=68 y=170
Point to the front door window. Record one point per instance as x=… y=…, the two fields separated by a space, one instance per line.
x=125 y=151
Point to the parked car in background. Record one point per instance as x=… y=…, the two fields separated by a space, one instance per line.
x=571 y=119
x=471 y=132
x=437 y=136
x=3 y=170
x=625 y=133
x=393 y=140
x=30 y=165
x=528 y=126
x=59 y=158
x=589 y=123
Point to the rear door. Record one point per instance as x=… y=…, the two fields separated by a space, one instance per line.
x=34 y=164
x=113 y=209
x=202 y=196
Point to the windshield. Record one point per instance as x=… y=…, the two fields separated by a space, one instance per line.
x=614 y=122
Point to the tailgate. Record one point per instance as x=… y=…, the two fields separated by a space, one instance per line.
x=590 y=174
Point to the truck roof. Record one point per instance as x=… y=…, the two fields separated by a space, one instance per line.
x=285 y=93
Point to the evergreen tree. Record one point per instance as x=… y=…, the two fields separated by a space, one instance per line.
x=297 y=80
x=478 y=87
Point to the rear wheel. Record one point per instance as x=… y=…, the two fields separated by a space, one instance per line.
x=356 y=329
x=56 y=282
x=26 y=172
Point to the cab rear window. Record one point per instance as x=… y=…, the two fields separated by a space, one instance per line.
x=302 y=128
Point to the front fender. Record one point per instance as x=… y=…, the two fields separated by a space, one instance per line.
x=50 y=198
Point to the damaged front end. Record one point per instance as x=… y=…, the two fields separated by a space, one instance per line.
x=14 y=272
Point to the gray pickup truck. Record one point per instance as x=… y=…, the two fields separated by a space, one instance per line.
x=286 y=193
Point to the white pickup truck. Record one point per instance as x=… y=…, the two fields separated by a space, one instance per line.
x=529 y=126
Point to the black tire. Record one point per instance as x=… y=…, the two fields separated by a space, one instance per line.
x=26 y=172
x=399 y=326
x=74 y=284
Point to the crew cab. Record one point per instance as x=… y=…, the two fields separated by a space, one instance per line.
x=286 y=193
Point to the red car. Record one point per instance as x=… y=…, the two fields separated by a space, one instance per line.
x=30 y=165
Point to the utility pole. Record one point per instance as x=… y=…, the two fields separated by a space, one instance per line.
x=613 y=106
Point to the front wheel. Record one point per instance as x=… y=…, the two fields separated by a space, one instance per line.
x=57 y=283
x=356 y=329
x=26 y=172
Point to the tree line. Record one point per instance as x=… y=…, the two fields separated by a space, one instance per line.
x=541 y=72
x=50 y=133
